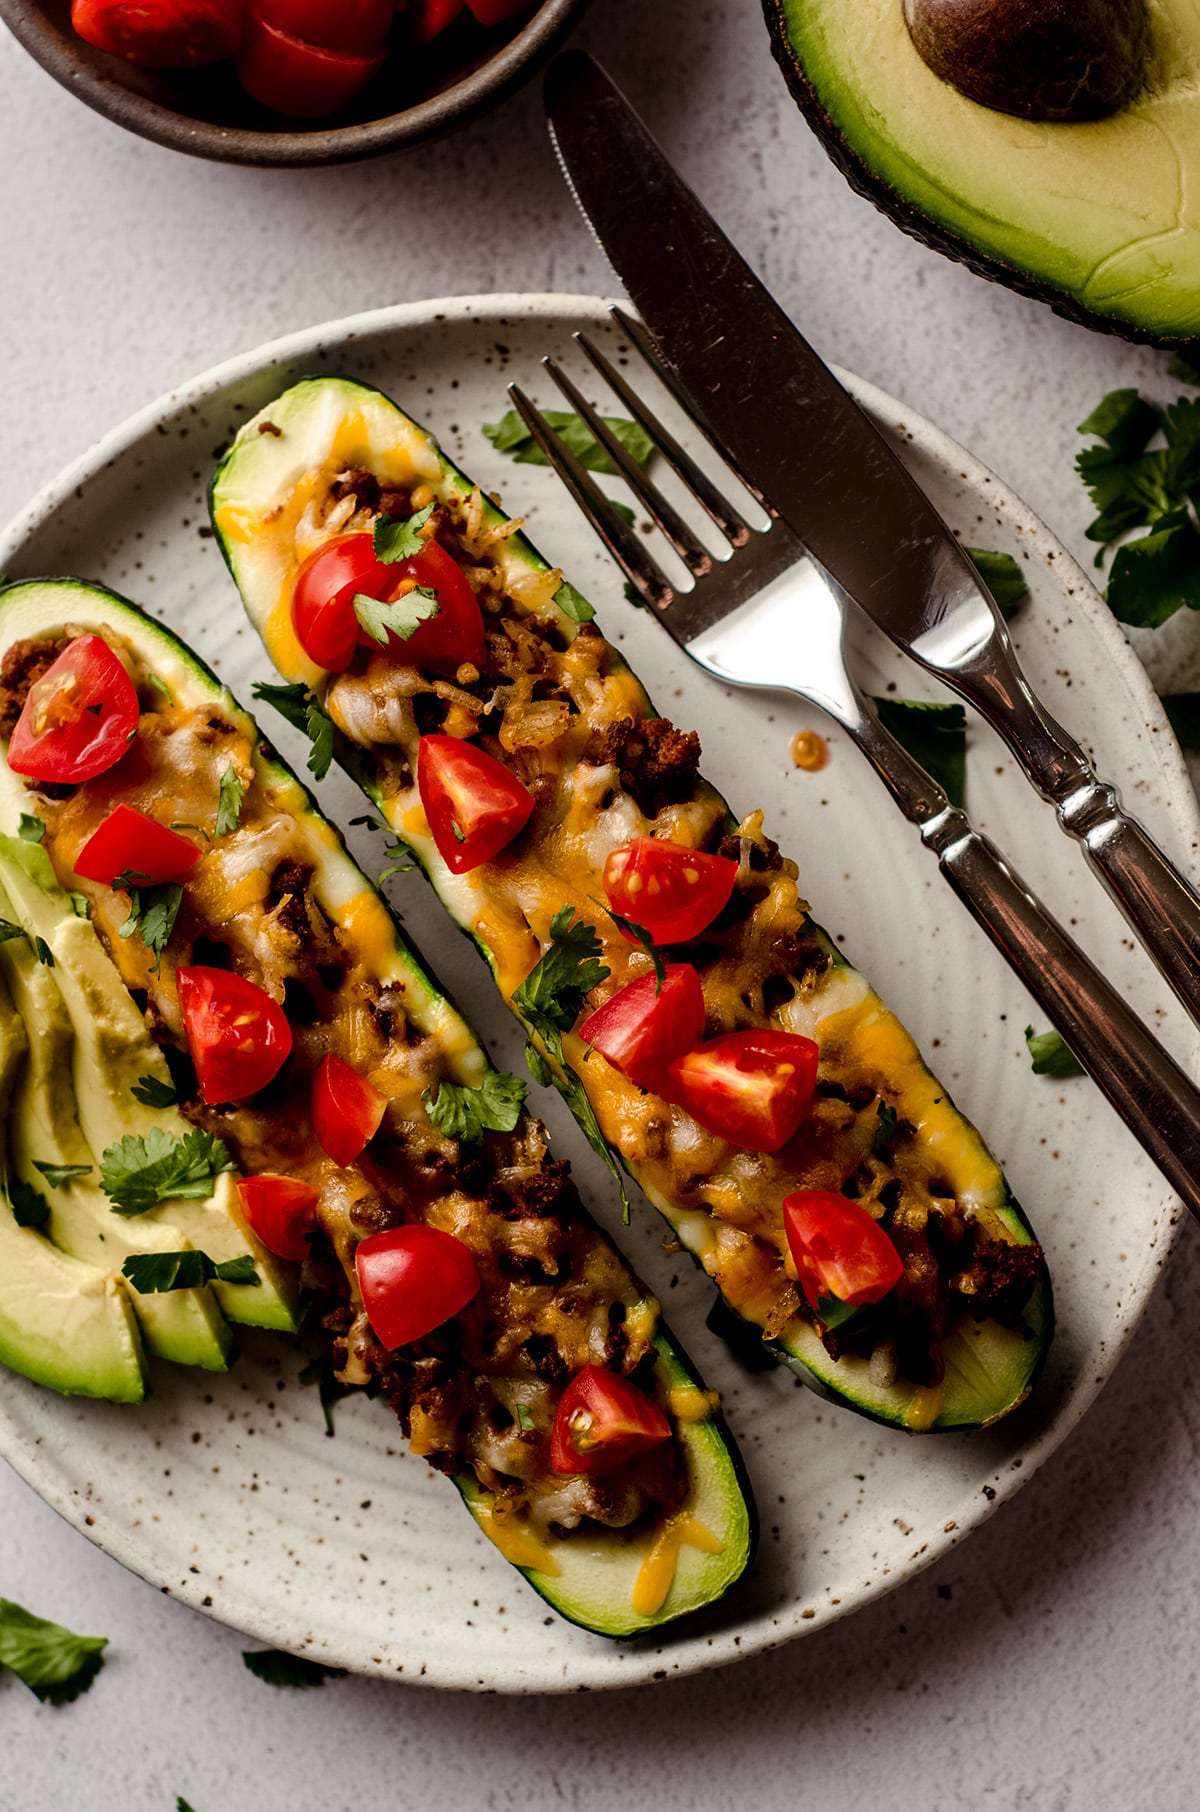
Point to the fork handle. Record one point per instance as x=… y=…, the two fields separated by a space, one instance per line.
x=1156 y=1100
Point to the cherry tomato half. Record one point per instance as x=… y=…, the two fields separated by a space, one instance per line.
x=603 y=1420
x=412 y=1279
x=838 y=1248
x=752 y=1088
x=357 y=26
x=474 y=805
x=79 y=718
x=674 y=892
x=128 y=842
x=641 y=1032
x=300 y=80
x=280 y=1212
x=323 y=606
x=237 y=1035
x=162 y=34
x=346 y=1109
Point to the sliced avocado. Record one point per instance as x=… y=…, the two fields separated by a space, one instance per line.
x=64 y=1323
x=1100 y=218
x=110 y=1049
x=335 y=423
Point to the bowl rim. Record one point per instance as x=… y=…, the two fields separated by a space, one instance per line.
x=484 y=87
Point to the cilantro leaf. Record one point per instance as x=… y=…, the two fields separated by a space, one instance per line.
x=29 y=1206
x=551 y=997
x=136 y=1173
x=277 y=1668
x=935 y=735
x=1123 y=421
x=8 y=929
x=153 y=1093
x=885 y=1131
x=181 y=1804
x=398 y=539
x=152 y=912
x=55 y=1664
x=525 y=1420
x=402 y=617
x=44 y=953
x=1157 y=573
x=31 y=830
x=79 y=905
x=304 y=712
x=465 y=1113
x=1050 y=1055
x=229 y=801
x=396 y=852
x=510 y=435
x=58 y=1174
x=1002 y=576
x=573 y=603
x=152 y=1272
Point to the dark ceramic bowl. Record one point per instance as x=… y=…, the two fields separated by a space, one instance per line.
x=206 y=113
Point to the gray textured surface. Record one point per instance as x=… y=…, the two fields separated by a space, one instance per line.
x=1053 y=1664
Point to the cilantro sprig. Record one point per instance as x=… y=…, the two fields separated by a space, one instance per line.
x=551 y=997
x=306 y=713
x=137 y=1173
x=153 y=1272
x=402 y=616
x=1134 y=485
x=54 y=1663
x=152 y=913
x=399 y=538
x=465 y=1113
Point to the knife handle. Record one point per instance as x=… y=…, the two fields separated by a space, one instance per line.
x=1156 y=1100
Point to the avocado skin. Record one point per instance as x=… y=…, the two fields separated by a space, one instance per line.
x=921 y=226
x=1036 y=59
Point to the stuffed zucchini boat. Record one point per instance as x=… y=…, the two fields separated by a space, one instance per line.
x=755 y=1085
x=378 y=1151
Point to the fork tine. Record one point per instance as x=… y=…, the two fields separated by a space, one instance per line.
x=622 y=542
x=719 y=509
x=691 y=551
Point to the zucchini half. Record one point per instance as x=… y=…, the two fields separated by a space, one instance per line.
x=280 y=490
x=675 y=1557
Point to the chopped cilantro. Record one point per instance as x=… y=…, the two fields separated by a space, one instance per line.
x=30 y=829
x=397 y=865
x=277 y=1668
x=127 y=880
x=55 y=1664
x=8 y=929
x=399 y=538
x=29 y=1206
x=465 y=1113
x=152 y=1272
x=152 y=912
x=885 y=1131
x=153 y=1093
x=1050 y=1055
x=44 y=953
x=573 y=603
x=304 y=712
x=525 y=1420
x=402 y=617
x=1002 y=576
x=551 y=997
x=79 y=905
x=58 y=1174
x=229 y=801
x=160 y=685
x=1133 y=485
x=935 y=735
x=138 y=1173
x=510 y=435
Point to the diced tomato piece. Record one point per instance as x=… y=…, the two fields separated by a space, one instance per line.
x=413 y=1279
x=130 y=843
x=346 y=1109
x=474 y=805
x=280 y=1212
x=161 y=34
x=493 y=12
x=357 y=26
x=323 y=606
x=752 y=1088
x=641 y=1032
x=672 y=891
x=424 y=20
x=838 y=1248
x=79 y=718
x=300 y=80
x=603 y=1420
x=237 y=1036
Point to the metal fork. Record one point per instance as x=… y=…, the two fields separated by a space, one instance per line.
x=768 y=617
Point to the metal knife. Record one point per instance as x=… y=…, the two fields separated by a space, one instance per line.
x=816 y=459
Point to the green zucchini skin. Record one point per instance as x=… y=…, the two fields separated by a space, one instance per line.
x=990 y=1369
x=590 y=1593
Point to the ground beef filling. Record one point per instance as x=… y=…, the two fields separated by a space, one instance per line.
x=477 y=1396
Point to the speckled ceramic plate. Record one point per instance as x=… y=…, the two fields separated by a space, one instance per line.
x=225 y=1491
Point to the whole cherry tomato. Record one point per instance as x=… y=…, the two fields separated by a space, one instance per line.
x=346 y=1109
x=237 y=1035
x=162 y=34
x=280 y=1212
x=474 y=805
x=642 y=1029
x=752 y=1088
x=672 y=891
x=130 y=843
x=838 y=1248
x=79 y=718
x=413 y=1279
x=603 y=1420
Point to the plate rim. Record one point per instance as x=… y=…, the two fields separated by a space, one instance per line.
x=701 y=1653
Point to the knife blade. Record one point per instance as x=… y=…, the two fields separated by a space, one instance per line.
x=820 y=463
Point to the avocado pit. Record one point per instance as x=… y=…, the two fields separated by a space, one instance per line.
x=1036 y=59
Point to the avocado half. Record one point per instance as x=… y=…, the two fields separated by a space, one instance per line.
x=1099 y=218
